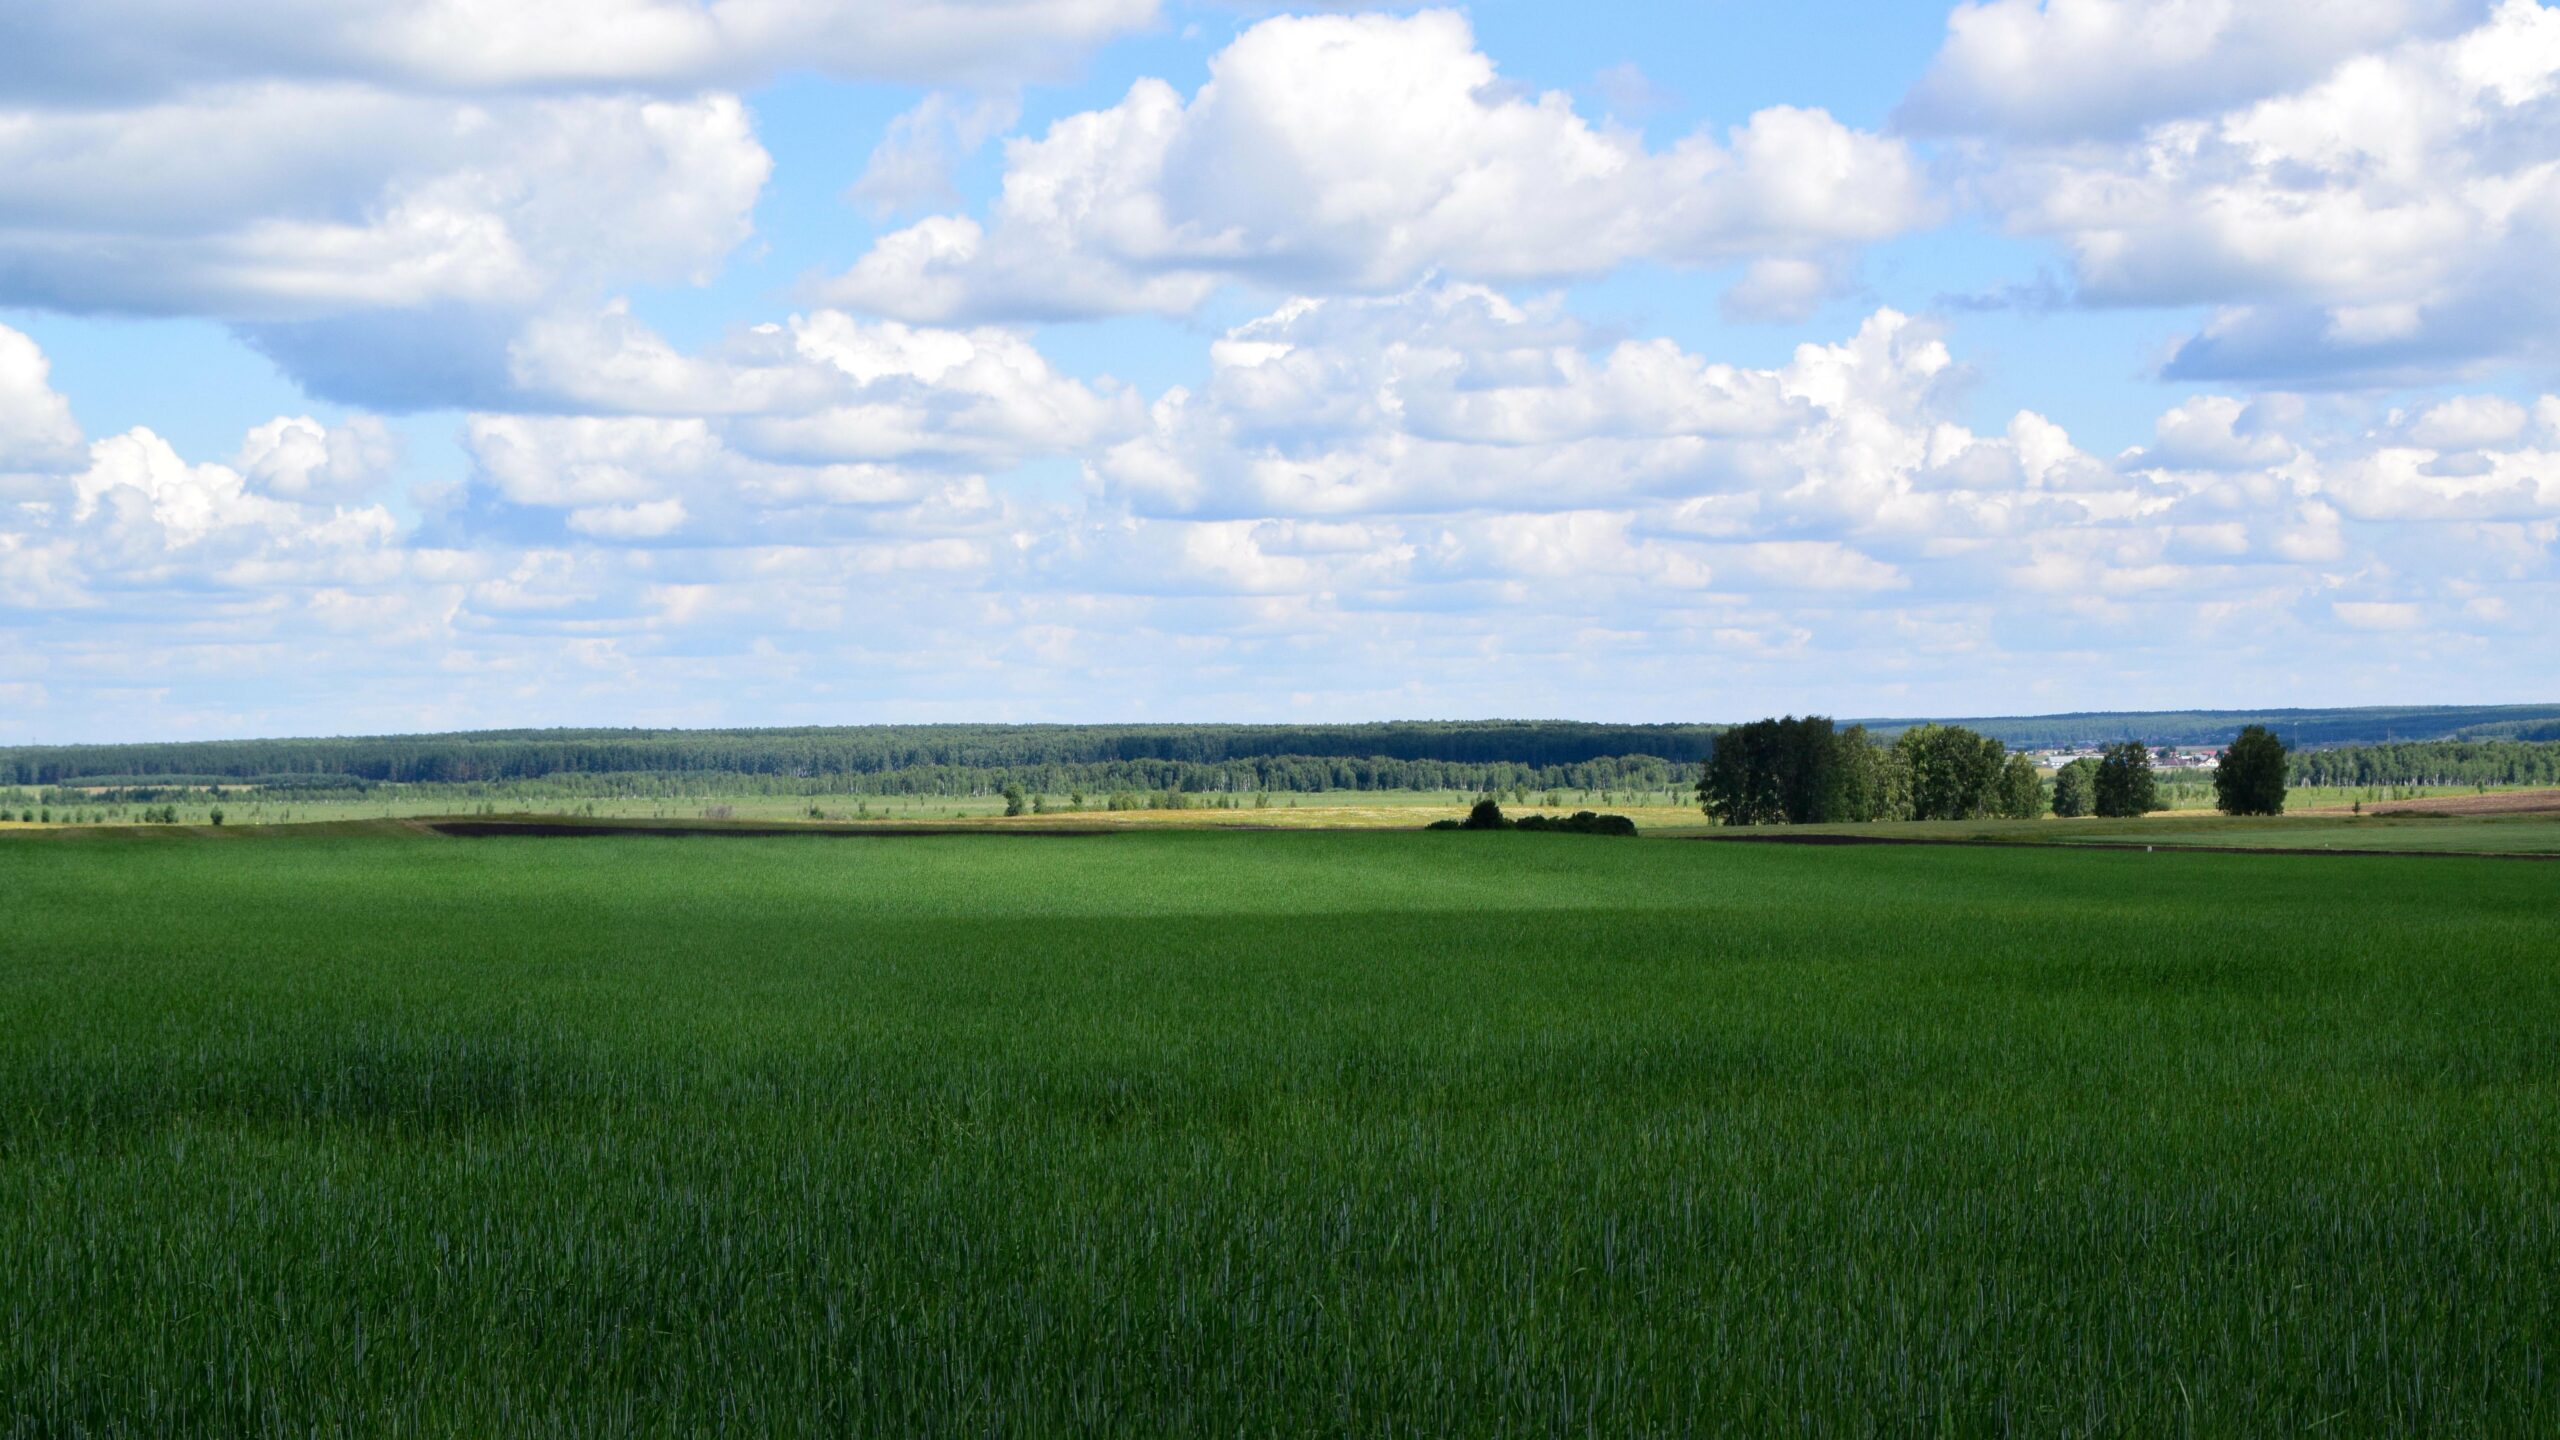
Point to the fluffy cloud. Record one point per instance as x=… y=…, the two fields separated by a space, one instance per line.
x=140 y=517
x=298 y=458
x=381 y=247
x=378 y=193
x=282 y=203
x=2056 y=68
x=126 y=48
x=1454 y=398
x=2390 y=218
x=827 y=387
x=128 y=514
x=644 y=478
x=1357 y=153
x=822 y=426
x=36 y=429
x=1473 y=446
x=1465 y=492
x=911 y=166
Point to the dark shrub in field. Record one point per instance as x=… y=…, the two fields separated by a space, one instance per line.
x=1488 y=816
x=1580 y=822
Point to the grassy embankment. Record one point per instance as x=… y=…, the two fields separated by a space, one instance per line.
x=1164 y=1134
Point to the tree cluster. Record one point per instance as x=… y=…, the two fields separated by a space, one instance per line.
x=1808 y=771
x=2432 y=762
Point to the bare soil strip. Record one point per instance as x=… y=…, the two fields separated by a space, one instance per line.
x=2510 y=802
x=553 y=829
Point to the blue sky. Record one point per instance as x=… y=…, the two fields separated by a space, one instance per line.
x=398 y=364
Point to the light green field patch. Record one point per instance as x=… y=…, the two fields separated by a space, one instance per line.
x=1217 y=1134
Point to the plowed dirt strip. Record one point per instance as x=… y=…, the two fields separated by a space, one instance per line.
x=486 y=829
x=2511 y=802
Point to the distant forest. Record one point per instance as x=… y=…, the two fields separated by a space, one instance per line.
x=2299 y=729
x=2437 y=762
x=922 y=759
x=2428 y=745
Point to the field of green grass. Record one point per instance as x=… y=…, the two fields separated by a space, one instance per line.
x=1197 y=1133
x=2537 y=834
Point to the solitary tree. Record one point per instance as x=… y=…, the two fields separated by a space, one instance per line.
x=1012 y=799
x=2251 y=777
x=2124 y=783
x=2075 y=789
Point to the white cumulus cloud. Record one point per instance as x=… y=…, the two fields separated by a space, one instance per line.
x=2388 y=214
x=1358 y=153
x=2054 y=68
x=119 y=48
x=36 y=429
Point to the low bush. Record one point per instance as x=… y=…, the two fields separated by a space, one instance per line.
x=1488 y=815
x=1580 y=822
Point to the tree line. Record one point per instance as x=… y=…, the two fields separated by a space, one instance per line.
x=981 y=759
x=2433 y=762
x=1808 y=771
x=1548 y=748
x=2297 y=728
x=1292 y=774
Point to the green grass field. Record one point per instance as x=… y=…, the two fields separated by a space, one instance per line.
x=2415 y=834
x=1194 y=1133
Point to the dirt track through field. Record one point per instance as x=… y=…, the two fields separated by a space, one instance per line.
x=486 y=829
x=2511 y=802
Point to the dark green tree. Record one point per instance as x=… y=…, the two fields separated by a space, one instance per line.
x=1955 y=773
x=1487 y=815
x=2021 y=789
x=1013 y=802
x=1865 y=788
x=2075 y=789
x=2123 y=784
x=2251 y=778
x=1786 y=771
